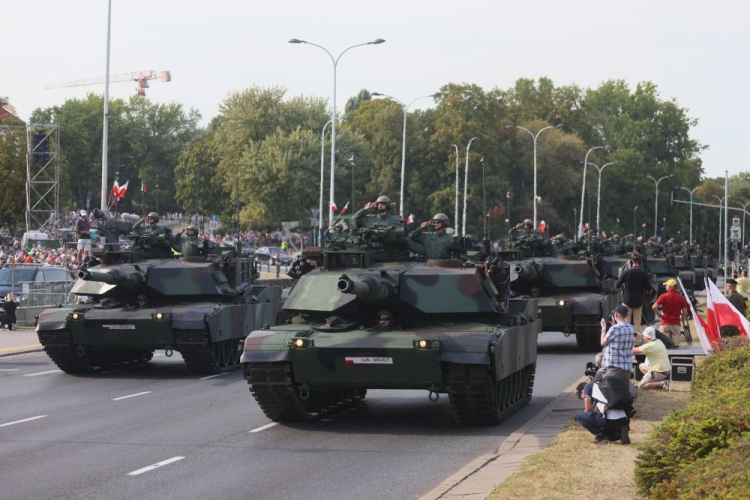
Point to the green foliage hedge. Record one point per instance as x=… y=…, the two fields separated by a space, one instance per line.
x=719 y=412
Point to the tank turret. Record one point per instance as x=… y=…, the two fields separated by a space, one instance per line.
x=367 y=288
x=113 y=277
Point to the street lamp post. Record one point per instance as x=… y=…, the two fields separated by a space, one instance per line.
x=656 y=202
x=405 y=108
x=466 y=180
x=534 y=137
x=105 y=128
x=691 y=192
x=583 y=188
x=455 y=214
x=322 y=177
x=335 y=61
x=599 y=191
x=744 y=209
x=635 y=227
x=721 y=204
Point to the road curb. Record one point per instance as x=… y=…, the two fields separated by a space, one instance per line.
x=506 y=460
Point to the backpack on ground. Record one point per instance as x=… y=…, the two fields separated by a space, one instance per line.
x=617 y=393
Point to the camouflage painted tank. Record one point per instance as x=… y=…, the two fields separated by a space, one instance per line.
x=201 y=306
x=452 y=329
x=574 y=292
x=692 y=277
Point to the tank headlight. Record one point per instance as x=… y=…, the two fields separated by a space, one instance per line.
x=425 y=344
x=75 y=316
x=159 y=316
x=301 y=343
x=561 y=303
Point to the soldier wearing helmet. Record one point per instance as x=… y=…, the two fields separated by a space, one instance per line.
x=560 y=246
x=375 y=213
x=187 y=244
x=437 y=241
x=152 y=228
x=524 y=231
x=141 y=301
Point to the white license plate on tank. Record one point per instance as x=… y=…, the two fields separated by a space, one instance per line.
x=370 y=360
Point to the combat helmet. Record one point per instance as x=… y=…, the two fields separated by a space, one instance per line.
x=192 y=227
x=153 y=215
x=441 y=217
x=383 y=199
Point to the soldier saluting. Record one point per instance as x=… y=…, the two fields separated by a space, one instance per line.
x=380 y=217
x=152 y=228
x=436 y=242
x=187 y=244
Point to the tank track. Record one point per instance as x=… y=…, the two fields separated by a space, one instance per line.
x=273 y=387
x=207 y=358
x=69 y=358
x=477 y=399
x=588 y=330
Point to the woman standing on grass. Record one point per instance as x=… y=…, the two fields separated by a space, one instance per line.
x=9 y=311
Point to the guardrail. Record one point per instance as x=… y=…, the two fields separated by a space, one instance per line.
x=36 y=297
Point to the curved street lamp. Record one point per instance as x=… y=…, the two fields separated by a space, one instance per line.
x=599 y=190
x=466 y=180
x=656 y=202
x=322 y=177
x=583 y=187
x=744 y=210
x=691 y=192
x=335 y=61
x=405 y=108
x=534 y=137
x=455 y=214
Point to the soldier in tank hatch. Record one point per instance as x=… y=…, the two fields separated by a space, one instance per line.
x=375 y=213
x=152 y=227
x=437 y=241
x=187 y=244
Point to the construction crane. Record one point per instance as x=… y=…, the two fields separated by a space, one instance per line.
x=141 y=77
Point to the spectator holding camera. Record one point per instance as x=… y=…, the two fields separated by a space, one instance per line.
x=606 y=424
x=617 y=343
x=635 y=284
x=658 y=367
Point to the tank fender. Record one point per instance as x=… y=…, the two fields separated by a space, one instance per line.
x=515 y=349
x=264 y=346
x=591 y=307
x=53 y=319
x=185 y=318
x=468 y=347
x=225 y=321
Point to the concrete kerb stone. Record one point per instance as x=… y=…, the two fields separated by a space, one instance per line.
x=478 y=478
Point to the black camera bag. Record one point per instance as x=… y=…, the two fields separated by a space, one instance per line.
x=617 y=393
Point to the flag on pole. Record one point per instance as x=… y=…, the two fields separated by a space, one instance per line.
x=586 y=227
x=507 y=195
x=123 y=190
x=410 y=220
x=720 y=312
x=639 y=239
x=115 y=189
x=333 y=206
x=352 y=161
x=700 y=324
x=542 y=226
x=143 y=186
x=343 y=210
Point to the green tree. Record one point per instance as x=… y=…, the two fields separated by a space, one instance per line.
x=12 y=172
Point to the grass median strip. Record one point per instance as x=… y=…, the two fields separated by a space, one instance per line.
x=572 y=467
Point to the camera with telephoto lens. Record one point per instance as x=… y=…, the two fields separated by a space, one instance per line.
x=590 y=369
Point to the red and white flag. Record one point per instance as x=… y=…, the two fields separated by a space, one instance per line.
x=352 y=161
x=603 y=236
x=639 y=239
x=115 y=189
x=720 y=312
x=700 y=323
x=586 y=227
x=410 y=220
x=343 y=210
x=333 y=206
x=123 y=190
x=542 y=226
x=143 y=186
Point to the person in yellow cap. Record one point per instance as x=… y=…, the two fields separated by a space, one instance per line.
x=673 y=304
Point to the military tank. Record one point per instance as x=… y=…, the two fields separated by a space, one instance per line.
x=144 y=298
x=574 y=291
x=453 y=330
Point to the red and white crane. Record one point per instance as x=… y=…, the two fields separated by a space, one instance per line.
x=141 y=77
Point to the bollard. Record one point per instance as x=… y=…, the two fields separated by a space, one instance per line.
x=278 y=268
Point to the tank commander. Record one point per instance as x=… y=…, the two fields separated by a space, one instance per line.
x=560 y=246
x=152 y=228
x=385 y=322
x=523 y=230
x=187 y=244
x=141 y=301
x=336 y=232
x=436 y=242
x=380 y=217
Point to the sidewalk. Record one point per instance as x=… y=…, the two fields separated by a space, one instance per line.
x=18 y=342
x=480 y=477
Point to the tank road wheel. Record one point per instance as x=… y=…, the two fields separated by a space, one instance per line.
x=588 y=330
x=278 y=396
x=60 y=348
x=204 y=356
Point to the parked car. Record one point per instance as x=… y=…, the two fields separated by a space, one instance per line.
x=272 y=254
x=32 y=273
x=247 y=248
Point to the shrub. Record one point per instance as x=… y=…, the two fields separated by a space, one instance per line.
x=686 y=436
x=722 y=474
x=724 y=376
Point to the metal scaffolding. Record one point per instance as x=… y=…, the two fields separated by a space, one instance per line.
x=42 y=177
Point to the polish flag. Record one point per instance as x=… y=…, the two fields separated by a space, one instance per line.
x=542 y=226
x=143 y=186
x=720 y=312
x=352 y=161
x=333 y=206
x=343 y=210
x=639 y=239
x=700 y=324
x=123 y=190
x=115 y=189
x=603 y=236
x=410 y=220
x=586 y=227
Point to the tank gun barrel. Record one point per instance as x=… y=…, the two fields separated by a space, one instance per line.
x=367 y=288
x=112 y=277
x=526 y=271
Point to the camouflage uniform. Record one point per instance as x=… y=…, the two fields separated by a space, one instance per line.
x=436 y=245
x=149 y=229
x=186 y=245
x=364 y=219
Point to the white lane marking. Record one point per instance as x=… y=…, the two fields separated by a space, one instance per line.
x=131 y=396
x=22 y=421
x=42 y=373
x=213 y=376
x=264 y=427
x=10 y=369
x=154 y=466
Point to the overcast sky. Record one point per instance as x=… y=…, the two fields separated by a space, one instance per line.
x=695 y=51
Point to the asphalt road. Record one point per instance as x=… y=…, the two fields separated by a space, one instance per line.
x=160 y=432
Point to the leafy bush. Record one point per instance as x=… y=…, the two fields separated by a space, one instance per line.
x=719 y=412
x=722 y=474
